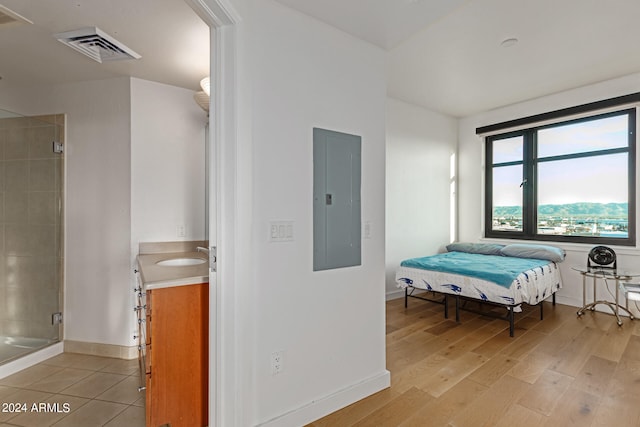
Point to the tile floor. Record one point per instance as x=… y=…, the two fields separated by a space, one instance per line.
x=88 y=390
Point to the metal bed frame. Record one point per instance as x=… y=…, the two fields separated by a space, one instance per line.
x=445 y=300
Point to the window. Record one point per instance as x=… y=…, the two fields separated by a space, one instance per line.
x=571 y=181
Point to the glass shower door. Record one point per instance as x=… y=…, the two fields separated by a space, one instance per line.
x=31 y=234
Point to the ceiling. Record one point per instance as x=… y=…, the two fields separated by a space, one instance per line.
x=385 y=23
x=445 y=55
x=172 y=40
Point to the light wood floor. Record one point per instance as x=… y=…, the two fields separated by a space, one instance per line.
x=562 y=371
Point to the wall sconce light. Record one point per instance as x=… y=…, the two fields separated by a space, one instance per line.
x=205 y=84
x=202 y=97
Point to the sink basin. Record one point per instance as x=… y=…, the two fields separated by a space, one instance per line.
x=181 y=262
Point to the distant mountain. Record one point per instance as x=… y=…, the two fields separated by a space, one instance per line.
x=608 y=210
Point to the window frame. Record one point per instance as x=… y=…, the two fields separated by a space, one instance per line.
x=530 y=163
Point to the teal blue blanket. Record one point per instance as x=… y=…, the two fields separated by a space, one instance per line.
x=501 y=270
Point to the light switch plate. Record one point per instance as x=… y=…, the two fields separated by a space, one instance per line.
x=281 y=231
x=367 y=230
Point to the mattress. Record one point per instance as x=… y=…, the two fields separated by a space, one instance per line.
x=529 y=286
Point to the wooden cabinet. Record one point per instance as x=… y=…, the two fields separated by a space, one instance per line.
x=177 y=356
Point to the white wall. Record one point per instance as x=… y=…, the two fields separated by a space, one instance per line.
x=420 y=145
x=97 y=212
x=167 y=163
x=330 y=324
x=471 y=190
x=108 y=122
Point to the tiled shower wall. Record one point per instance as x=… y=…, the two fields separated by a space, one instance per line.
x=30 y=226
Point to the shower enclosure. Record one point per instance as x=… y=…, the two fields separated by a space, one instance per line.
x=31 y=243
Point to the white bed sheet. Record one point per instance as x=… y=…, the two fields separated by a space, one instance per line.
x=531 y=286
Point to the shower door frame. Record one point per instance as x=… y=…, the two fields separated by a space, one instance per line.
x=57 y=207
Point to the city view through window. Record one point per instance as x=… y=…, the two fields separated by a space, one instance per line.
x=579 y=175
x=574 y=219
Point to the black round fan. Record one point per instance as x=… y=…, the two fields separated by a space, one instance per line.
x=602 y=256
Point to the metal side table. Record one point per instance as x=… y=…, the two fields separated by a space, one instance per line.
x=604 y=274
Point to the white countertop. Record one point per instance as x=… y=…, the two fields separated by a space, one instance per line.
x=154 y=276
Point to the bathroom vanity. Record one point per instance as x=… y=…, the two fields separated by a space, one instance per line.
x=173 y=334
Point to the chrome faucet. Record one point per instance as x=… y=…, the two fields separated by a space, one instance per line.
x=201 y=249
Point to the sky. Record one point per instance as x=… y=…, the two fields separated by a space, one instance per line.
x=601 y=179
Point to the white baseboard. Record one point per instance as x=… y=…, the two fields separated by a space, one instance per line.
x=94 y=349
x=98 y=349
x=391 y=295
x=29 y=360
x=331 y=403
x=572 y=302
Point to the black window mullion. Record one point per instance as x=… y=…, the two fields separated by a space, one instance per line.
x=632 y=178
x=529 y=188
x=583 y=155
x=488 y=197
x=559 y=114
x=530 y=198
x=490 y=167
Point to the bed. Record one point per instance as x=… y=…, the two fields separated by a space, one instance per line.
x=495 y=275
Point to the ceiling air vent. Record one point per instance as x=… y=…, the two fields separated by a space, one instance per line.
x=96 y=44
x=8 y=16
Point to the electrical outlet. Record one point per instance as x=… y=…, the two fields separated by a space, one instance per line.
x=181 y=230
x=277 y=362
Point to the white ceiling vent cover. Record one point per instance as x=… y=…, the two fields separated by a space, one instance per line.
x=96 y=44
